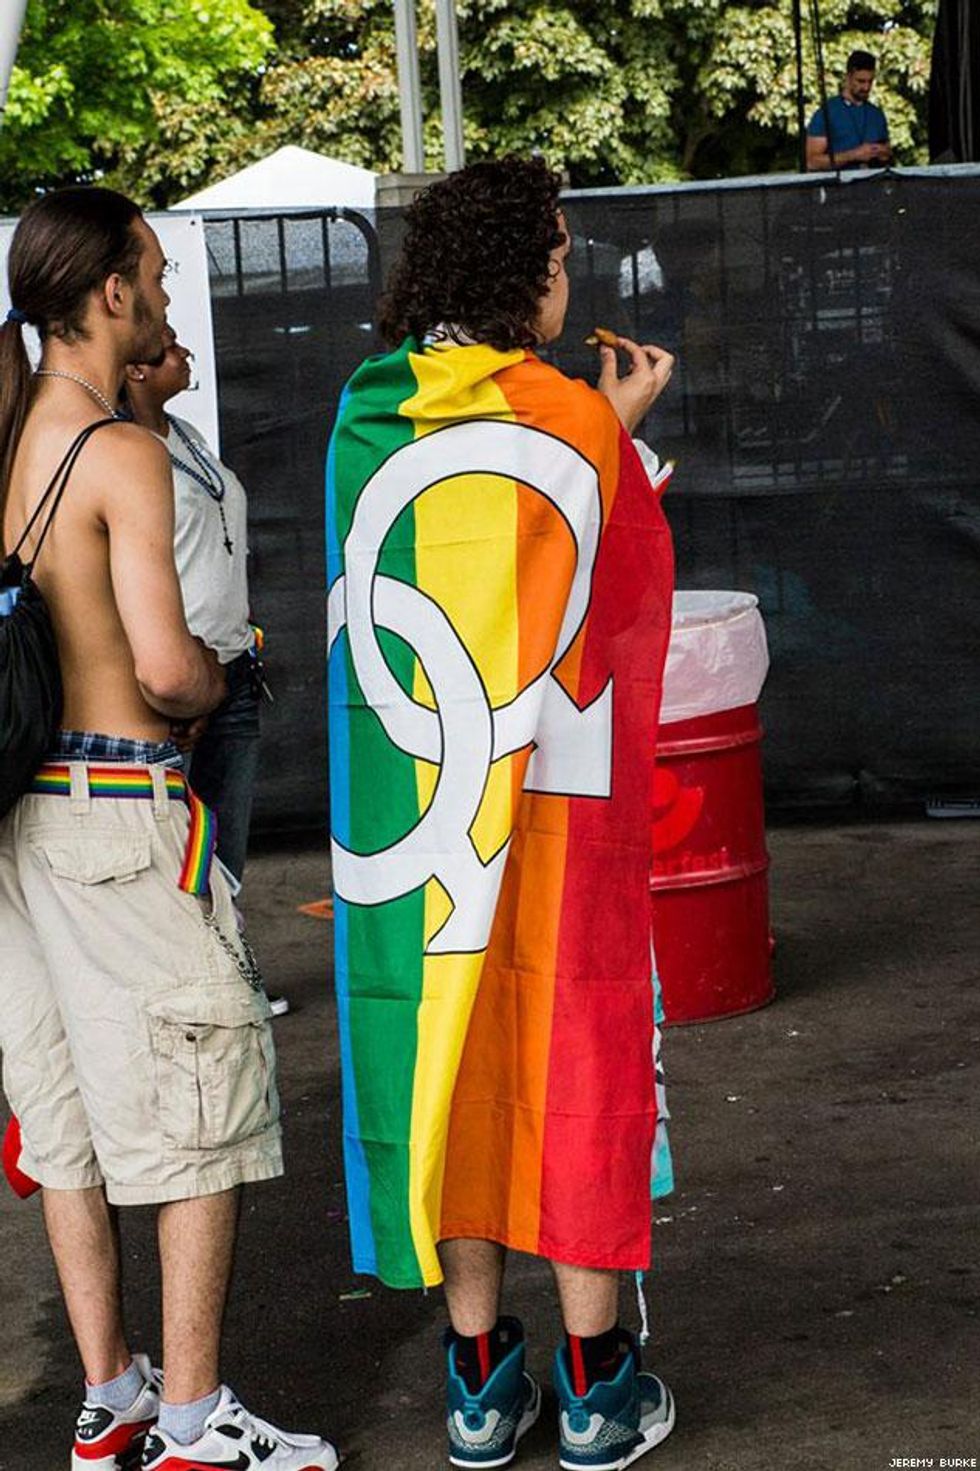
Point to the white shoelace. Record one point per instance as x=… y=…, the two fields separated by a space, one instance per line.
x=259 y=1430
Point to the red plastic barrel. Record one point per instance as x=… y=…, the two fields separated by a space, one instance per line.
x=709 y=885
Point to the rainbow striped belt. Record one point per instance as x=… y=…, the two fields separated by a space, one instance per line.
x=54 y=780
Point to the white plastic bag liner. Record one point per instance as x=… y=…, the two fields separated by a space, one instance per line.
x=717 y=658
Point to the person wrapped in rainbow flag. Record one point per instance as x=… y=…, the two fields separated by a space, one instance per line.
x=500 y=577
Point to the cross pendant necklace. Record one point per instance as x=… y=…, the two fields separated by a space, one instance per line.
x=211 y=480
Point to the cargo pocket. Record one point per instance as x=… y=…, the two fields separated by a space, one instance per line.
x=215 y=1067
x=93 y=857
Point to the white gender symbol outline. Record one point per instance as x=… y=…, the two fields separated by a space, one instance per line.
x=464 y=735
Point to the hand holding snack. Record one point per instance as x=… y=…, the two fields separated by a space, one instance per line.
x=648 y=375
x=601 y=337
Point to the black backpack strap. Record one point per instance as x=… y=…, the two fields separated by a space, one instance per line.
x=57 y=486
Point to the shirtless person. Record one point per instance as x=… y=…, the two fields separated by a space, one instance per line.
x=136 y=1042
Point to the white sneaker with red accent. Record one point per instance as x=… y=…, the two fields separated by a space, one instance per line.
x=111 y=1440
x=235 y=1440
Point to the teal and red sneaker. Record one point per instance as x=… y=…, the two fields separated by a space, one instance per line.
x=112 y=1440
x=484 y=1428
x=617 y=1421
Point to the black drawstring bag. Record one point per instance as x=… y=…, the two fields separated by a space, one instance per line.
x=30 y=675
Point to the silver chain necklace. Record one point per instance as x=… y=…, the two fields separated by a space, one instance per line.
x=99 y=397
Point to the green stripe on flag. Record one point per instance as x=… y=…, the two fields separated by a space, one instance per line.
x=385 y=942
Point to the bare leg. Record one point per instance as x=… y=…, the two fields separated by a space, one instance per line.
x=474 y=1273
x=84 y=1236
x=589 y=1299
x=197 y=1243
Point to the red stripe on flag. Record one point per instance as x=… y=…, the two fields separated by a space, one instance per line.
x=595 y=1195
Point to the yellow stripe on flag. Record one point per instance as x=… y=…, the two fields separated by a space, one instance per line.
x=465 y=559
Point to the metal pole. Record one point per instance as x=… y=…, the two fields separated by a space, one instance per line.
x=409 y=87
x=11 y=20
x=822 y=80
x=450 y=90
x=800 y=107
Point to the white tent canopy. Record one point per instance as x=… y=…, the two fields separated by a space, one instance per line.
x=11 y=20
x=290 y=178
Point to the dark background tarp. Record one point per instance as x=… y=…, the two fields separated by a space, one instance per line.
x=824 y=417
x=954 y=86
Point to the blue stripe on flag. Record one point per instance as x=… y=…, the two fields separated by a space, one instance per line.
x=358 y=1180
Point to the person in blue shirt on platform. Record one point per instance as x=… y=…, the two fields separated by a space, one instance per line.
x=850 y=132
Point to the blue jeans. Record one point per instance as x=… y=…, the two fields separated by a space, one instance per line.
x=223 y=766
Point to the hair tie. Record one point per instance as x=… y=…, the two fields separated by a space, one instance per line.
x=16 y=315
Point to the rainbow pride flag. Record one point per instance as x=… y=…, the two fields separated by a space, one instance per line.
x=500 y=576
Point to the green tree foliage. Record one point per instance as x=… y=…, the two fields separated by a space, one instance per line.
x=333 y=84
x=613 y=91
x=745 y=88
x=126 y=90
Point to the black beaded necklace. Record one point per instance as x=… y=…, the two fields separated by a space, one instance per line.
x=210 y=481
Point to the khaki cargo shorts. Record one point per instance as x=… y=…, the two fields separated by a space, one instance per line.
x=135 y=1052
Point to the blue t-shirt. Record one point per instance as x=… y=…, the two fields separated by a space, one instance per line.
x=851 y=124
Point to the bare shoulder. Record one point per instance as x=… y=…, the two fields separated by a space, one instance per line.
x=122 y=465
x=126 y=447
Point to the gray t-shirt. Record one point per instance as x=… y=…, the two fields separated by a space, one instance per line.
x=214 y=585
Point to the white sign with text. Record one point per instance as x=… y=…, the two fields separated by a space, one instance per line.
x=182 y=238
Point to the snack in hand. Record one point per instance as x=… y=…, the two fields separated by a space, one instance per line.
x=602 y=337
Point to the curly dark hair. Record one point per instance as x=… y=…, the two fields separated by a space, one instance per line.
x=476 y=254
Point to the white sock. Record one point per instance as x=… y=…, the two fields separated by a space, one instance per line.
x=118 y=1393
x=185 y=1423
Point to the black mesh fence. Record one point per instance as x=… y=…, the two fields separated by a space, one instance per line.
x=293 y=300
x=825 y=417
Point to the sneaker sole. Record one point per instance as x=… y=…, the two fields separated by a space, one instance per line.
x=653 y=1437
x=528 y=1419
x=330 y=1465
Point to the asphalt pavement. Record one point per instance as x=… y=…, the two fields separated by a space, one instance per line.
x=815 y=1301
